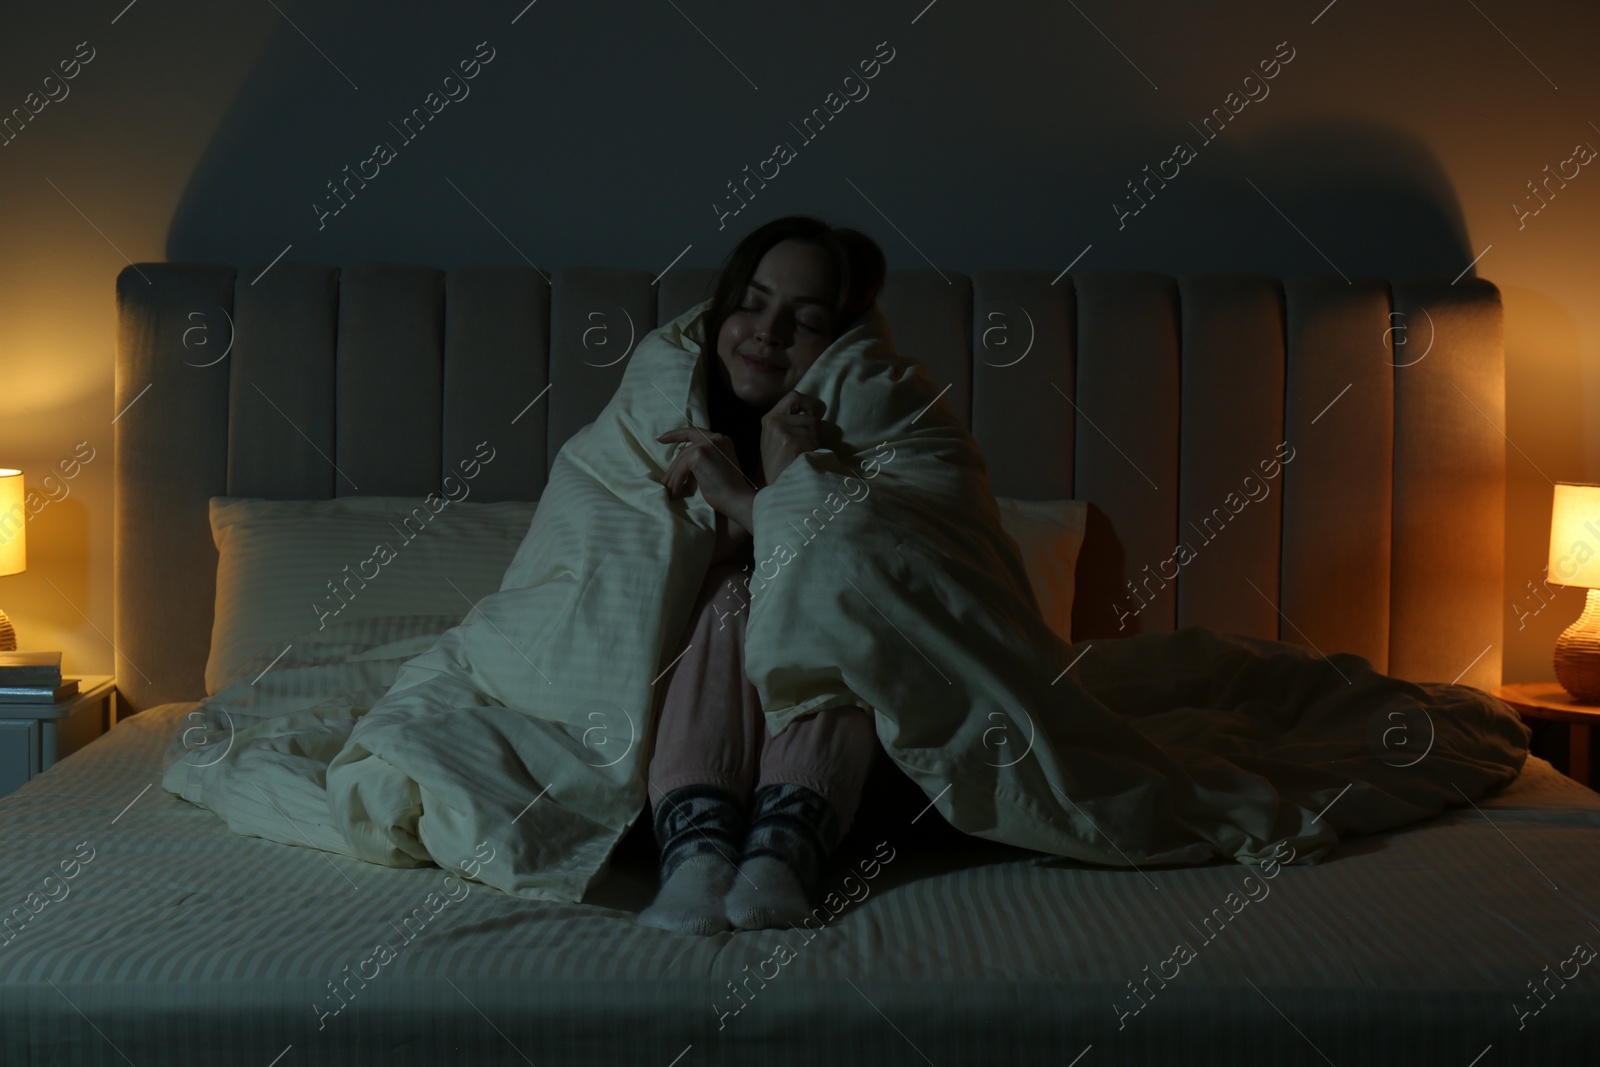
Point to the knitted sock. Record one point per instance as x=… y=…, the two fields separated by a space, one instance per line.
x=792 y=832
x=698 y=828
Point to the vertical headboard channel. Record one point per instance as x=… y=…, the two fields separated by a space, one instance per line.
x=1312 y=459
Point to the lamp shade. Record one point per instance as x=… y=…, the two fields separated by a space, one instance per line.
x=13 y=523
x=1575 y=535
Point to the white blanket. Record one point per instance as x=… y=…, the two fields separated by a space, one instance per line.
x=883 y=580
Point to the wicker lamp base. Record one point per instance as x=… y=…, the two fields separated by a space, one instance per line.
x=8 y=636
x=1578 y=653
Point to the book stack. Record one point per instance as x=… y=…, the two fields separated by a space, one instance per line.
x=33 y=678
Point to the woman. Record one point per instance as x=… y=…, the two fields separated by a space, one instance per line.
x=746 y=821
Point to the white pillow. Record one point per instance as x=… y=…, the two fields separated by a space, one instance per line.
x=1049 y=534
x=288 y=566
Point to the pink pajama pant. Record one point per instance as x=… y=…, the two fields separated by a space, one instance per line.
x=712 y=729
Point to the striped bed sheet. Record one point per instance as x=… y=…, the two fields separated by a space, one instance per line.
x=148 y=933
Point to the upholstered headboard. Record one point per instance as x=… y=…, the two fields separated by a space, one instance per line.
x=1164 y=402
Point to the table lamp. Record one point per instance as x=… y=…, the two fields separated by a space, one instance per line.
x=1575 y=560
x=13 y=541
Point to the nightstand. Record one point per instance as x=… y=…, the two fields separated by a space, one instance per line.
x=1547 y=700
x=34 y=736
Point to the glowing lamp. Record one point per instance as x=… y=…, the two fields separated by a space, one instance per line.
x=1575 y=560
x=13 y=541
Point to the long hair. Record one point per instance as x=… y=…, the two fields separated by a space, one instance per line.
x=857 y=262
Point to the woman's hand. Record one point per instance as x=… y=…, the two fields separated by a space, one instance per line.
x=790 y=428
x=711 y=465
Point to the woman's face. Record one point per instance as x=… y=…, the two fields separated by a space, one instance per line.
x=782 y=324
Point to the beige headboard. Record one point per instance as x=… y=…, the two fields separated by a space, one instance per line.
x=1164 y=402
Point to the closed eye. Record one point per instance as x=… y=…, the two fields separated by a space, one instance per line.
x=798 y=322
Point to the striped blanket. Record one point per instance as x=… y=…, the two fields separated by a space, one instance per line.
x=526 y=727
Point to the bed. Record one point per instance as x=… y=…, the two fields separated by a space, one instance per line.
x=1460 y=940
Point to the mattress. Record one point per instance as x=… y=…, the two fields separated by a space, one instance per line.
x=134 y=927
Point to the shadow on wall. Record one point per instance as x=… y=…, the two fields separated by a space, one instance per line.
x=514 y=164
x=295 y=161
x=1331 y=196
x=452 y=138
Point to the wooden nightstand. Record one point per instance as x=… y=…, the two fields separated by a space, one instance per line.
x=1547 y=700
x=34 y=736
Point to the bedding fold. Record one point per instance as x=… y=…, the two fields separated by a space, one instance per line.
x=882 y=579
